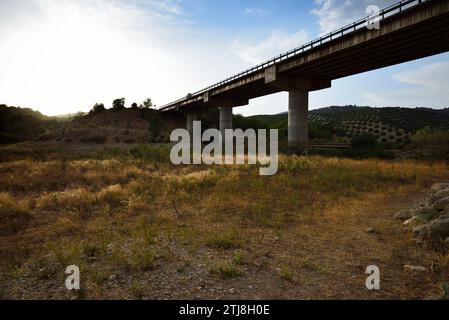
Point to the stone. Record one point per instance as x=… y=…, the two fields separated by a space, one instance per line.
x=414 y=268
x=414 y=222
x=445 y=294
x=437 y=196
x=439 y=228
x=370 y=230
x=404 y=215
x=441 y=204
x=439 y=186
x=421 y=231
x=426 y=214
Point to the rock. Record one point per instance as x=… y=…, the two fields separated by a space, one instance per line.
x=414 y=222
x=445 y=295
x=113 y=277
x=231 y=291
x=439 y=228
x=441 y=204
x=404 y=215
x=437 y=196
x=370 y=230
x=426 y=213
x=439 y=186
x=414 y=268
x=421 y=231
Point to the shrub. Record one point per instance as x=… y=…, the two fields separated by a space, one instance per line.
x=118 y=104
x=364 y=141
x=429 y=135
x=147 y=152
x=113 y=196
x=14 y=215
x=98 y=107
x=226 y=270
x=286 y=273
x=94 y=139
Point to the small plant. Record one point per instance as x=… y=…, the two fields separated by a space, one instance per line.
x=239 y=258
x=223 y=241
x=138 y=290
x=226 y=270
x=91 y=250
x=141 y=258
x=286 y=273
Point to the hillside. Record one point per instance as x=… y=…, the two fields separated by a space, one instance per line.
x=21 y=124
x=394 y=125
x=113 y=127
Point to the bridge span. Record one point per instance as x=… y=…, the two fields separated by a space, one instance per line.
x=408 y=30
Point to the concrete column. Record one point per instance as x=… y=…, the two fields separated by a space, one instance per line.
x=225 y=120
x=190 y=118
x=298 y=112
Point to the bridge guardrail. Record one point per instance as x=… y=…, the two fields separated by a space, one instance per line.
x=348 y=29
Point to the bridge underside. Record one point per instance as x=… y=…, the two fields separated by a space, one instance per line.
x=418 y=32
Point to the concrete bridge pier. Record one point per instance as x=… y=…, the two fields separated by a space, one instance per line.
x=298 y=112
x=190 y=118
x=225 y=120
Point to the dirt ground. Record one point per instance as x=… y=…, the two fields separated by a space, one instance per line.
x=309 y=232
x=337 y=247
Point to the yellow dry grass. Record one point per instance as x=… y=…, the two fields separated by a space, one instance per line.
x=118 y=217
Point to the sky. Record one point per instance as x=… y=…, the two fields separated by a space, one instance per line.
x=63 y=56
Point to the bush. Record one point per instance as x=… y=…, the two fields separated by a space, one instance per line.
x=118 y=104
x=98 y=107
x=226 y=270
x=94 y=139
x=146 y=152
x=429 y=135
x=14 y=215
x=364 y=141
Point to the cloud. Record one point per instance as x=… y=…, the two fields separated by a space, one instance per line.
x=72 y=54
x=334 y=14
x=256 y=12
x=427 y=88
x=253 y=51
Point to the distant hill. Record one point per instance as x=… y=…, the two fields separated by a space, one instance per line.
x=386 y=124
x=21 y=124
x=129 y=126
x=113 y=127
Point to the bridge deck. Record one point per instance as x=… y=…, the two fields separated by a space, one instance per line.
x=410 y=29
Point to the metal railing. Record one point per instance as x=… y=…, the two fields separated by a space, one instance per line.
x=348 y=29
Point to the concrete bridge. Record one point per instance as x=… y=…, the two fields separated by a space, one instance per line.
x=408 y=30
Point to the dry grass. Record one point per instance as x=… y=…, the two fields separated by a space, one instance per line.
x=116 y=217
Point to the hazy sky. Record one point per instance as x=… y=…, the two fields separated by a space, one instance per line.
x=63 y=56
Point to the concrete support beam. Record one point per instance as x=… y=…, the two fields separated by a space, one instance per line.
x=298 y=112
x=225 y=102
x=288 y=82
x=225 y=120
x=190 y=118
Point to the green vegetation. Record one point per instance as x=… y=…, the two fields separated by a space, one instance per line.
x=430 y=135
x=21 y=124
x=390 y=126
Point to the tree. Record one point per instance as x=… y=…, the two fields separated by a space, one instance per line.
x=147 y=104
x=134 y=106
x=364 y=141
x=78 y=115
x=98 y=107
x=118 y=104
